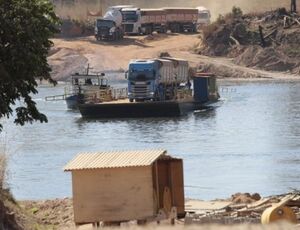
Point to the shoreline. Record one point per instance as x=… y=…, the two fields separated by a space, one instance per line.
x=70 y=56
x=59 y=212
x=291 y=78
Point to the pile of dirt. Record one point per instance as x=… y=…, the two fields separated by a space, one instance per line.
x=245 y=198
x=57 y=213
x=268 y=41
x=76 y=28
x=32 y=215
x=268 y=58
x=13 y=216
x=64 y=62
x=154 y=37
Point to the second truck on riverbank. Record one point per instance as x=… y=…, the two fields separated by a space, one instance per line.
x=127 y=19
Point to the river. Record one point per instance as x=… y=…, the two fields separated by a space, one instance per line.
x=249 y=142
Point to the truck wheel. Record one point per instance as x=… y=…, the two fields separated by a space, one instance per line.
x=113 y=36
x=180 y=29
x=119 y=35
x=130 y=100
x=149 y=30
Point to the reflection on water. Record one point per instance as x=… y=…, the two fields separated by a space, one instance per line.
x=249 y=142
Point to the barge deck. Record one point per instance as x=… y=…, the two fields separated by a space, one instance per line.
x=126 y=109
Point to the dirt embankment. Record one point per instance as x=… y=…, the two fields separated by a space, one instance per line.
x=230 y=47
x=268 y=41
x=58 y=214
x=13 y=216
x=241 y=208
x=71 y=55
x=79 y=10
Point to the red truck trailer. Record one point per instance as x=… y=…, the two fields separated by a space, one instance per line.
x=145 y=21
x=181 y=19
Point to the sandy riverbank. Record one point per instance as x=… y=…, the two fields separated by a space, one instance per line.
x=58 y=213
x=73 y=55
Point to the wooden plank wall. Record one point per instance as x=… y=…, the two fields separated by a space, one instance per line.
x=170 y=174
x=116 y=194
x=177 y=185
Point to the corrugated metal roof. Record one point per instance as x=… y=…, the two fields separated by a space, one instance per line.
x=116 y=159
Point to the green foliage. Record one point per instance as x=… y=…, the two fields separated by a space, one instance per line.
x=34 y=210
x=220 y=19
x=25 y=29
x=236 y=12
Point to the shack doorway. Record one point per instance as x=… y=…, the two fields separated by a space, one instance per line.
x=168 y=185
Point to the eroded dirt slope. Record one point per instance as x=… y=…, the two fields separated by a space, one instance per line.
x=71 y=55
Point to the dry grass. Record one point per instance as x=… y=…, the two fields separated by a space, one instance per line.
x=78 y=11
x=221 y=20
x=216 y=6
x=278 y=226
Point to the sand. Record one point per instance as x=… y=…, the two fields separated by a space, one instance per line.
x=73 y=55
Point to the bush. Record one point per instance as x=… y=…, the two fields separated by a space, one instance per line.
x=220 y=19
x=236 y=12
x=226 y=19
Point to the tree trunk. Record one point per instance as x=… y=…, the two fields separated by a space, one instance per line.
x=293 y=6
x=263 y=43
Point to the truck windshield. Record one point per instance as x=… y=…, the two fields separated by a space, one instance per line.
x=203 y=15
x=105 y=23
x=141 y=75
x=129 y=16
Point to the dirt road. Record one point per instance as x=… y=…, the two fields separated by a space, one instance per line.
x=71 y=55
x=105 y=56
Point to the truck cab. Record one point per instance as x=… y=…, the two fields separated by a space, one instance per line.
x=105 y=29
x=119 y=7
x=142 y=78
x=131 y=20
x=203 y=16
x=110 y=26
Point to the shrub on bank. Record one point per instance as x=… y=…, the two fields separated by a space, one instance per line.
x=76 y=28
x=209 y=30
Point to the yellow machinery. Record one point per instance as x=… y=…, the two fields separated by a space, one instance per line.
x=279 y=212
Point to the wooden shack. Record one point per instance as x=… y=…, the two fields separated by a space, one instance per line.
x=126 y=185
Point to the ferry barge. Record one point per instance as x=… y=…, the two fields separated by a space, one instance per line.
x=185 y=100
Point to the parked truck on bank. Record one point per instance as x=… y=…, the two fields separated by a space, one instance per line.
x=127 y=19
x=156 y=79
x=146 y=21
x=109 y=27
x=203 y=17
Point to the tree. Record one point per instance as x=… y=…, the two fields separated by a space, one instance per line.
x=25 y=29
x=237 y=12
x=293 y=6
